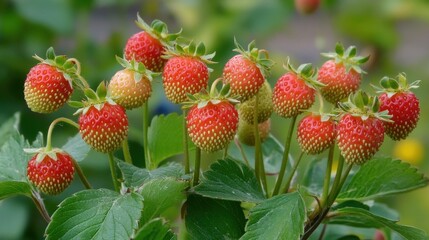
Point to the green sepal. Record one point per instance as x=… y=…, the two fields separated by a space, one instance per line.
x=258 y=56
x=75 y=104
x=158 y=30
x=101 y=91
x=347 y=57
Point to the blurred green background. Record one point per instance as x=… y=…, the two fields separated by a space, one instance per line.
x=394 y=32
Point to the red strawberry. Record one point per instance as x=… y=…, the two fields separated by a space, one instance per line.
x=213 y=126
x=246 y=72
x=295 y=91
x=342 y=75
x=360 y=129
x=149 y=45
x=131 y=87
x=46 y=89
x=51 y=172
x=402 y=104
x=307 y=6
x=316 y=133
x=186 y=72
x=104 y=126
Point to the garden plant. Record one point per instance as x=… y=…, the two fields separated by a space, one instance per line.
x=253 y=190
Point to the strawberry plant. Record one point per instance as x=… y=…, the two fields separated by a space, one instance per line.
x=255 y=188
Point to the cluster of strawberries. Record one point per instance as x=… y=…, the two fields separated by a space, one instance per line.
x=358 y=124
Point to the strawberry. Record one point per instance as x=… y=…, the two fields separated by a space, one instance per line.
x=342 y=75
x=265 y=105
x=49 y=84
x=51 y=171
x=185 y=72
x=360 y=129
x=246 y=71
x=307 y=6
x=212 y=121
x=103 y=124
x=131 y=87
x=402 y=104
x=149 y=45
x=316 y=133
x=246 y=131
x=295 y=91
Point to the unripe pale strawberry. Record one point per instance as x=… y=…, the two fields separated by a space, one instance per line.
x=265 y=105
x=246 y=132
x=51 y=173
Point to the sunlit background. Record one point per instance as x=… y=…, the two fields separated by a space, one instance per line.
x=394 y=32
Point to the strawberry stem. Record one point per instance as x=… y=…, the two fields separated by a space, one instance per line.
x=145 y=135
x=243 y=154
x=328 y=174
x=185 y=143
x=197 y=166
x=113 y=171
x=38 y=201
x=337 y=181
x=321 y=106
x=259 y=164
x=81 y=175
x=51 y=128
x=285 y=157
x=289 y=180
x=126 y=151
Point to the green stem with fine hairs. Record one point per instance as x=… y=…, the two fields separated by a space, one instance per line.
x=51 y=128
x=113 y=171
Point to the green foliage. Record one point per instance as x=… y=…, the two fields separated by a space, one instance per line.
x=12 y=188
x=9 y=128
x=156 y=229
x=213 y=219
x=381 y=177
x=96 y=214
x=230 y=180
x=77 y=148
x=280 y=217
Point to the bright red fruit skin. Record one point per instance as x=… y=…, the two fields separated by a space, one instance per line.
x=339 y=83
x=105 y=129
x=46 y=89
x=307 y=6
x=405 y=110
x=212 y=127
x=184 y=75
x=51 y=176
x=291 y=95
x=146 y=49
x=244 y=76
x=315 y=136
x=359 y=139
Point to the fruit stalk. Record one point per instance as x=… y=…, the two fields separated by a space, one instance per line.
x=337 y=180
x=81 y=175
x=126 y=151
x=82 y=80
x=197 y=166
x=285 y=156
x=328 y=175
x=113 y=171
x=243 y=154
x=185 y=144
x=38 y=201
x=259 y=163
x=51 y=128
x=145 y=133
x=289 y=180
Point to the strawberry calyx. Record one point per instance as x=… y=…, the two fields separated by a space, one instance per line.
x=306 y=72
x=43 y=152
x=189 y=48
x=215 y=96
x=347 y=57
x=95 y=99
x=362 y=105
x=391 y=86
x=138 y=68
x=258 y=56
x=158 y=30
x=69 y=67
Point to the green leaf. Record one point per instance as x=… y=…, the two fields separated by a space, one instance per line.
x=161 y=194
x=281 y=217
x=13 y=159
x=18 y=215
x=272 y=151
x=135 y=176
x=13 y=188
x=381 y=177
x=363 y=218
x=230 y=180
x=96 y=214
x=77 y=148
x=9 y=127
x=213 y=219
x=165 y=137
x=156 y=229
